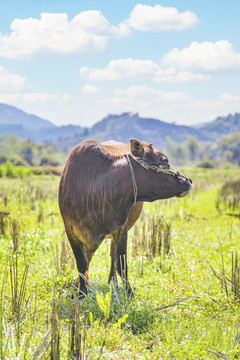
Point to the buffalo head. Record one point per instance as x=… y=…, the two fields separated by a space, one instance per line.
x=154 y=176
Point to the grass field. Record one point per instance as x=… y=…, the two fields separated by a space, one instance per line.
x=184 y=263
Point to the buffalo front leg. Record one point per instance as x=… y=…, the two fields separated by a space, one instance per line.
x=119 y=258
x=112 y=275
x=89 y=256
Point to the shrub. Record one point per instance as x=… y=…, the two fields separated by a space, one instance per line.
x=19 y=161
x=49 y=170
x=207 y=164
x=3 y=159
x=10 y=170
x=50 y=160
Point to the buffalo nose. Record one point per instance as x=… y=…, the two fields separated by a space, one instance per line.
x=188 y=181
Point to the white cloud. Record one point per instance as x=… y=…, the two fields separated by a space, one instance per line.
x=172 y=75
x=206 y=56
x=140 y=91
x=158 y=18
x=130 y=68
x=10 y=82
x=143 y=92
x=176 y=97
x=90 y=89
x=44 y=98
x=88 y=32
x=230 y=98
x=34 y=98
x=120 y=69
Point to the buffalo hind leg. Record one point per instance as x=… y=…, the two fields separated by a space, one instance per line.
x=81 y=259
x=82 y=265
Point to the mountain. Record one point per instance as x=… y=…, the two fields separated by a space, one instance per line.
x=27 y=126
x=118 y=127
x=221 y=126
x=125 y=126
x=11 y=116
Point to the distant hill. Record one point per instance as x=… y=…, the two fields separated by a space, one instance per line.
x=221 y=126
x=11 y=116
x=27 y=126
x=119 y=127
x=125 y=126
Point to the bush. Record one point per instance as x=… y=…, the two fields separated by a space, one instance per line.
x=3 y=159
x=37 y=170
x=228 y=165
x=207 y=164
x=19 y=161
x=10 y=170
x=22 y=171
x=50 y=160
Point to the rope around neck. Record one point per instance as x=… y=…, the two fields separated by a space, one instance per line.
x=133 y=178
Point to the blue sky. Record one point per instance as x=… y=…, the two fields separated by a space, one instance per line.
x=77 y=61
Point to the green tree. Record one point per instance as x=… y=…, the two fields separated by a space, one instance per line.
x=27 y=154
x=176 y=152
x=230 y=144
x=193 y=148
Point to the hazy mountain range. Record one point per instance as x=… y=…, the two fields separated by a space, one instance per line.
x=118 y=127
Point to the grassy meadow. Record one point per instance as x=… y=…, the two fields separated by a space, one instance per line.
x=184 y=263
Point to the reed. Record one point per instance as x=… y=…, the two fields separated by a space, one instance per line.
x=55 y=330
x=229 y=279
x=3 y=216
x=152 y=237
x=15 y=231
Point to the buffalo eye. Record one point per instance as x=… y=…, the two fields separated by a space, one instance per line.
x=164 y=160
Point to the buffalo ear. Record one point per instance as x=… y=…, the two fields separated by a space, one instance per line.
x=137 y=148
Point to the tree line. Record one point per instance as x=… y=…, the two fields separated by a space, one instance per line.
x=27 y=153
x=226 y=151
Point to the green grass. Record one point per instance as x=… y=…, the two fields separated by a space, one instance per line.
x=184 y=306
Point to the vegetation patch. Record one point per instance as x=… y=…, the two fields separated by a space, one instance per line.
x=228 y=198
x=183 y=257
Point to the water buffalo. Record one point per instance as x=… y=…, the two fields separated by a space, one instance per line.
x=101 y=193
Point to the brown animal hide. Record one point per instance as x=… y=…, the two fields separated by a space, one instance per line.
x=96 y=197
